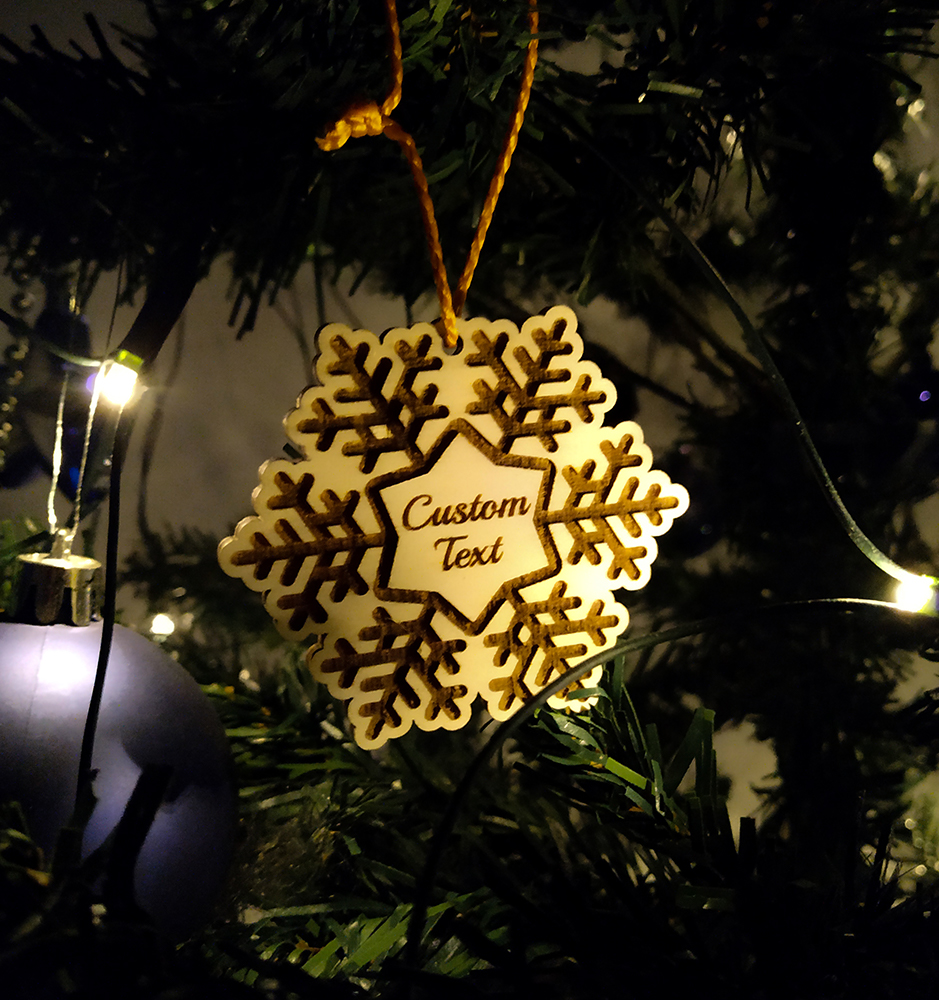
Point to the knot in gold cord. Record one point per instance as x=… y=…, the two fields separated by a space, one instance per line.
x=360 y=119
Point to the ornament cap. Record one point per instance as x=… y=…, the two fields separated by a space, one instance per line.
x=56 y=589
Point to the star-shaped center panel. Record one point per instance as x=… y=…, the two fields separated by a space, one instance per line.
x=467 y=525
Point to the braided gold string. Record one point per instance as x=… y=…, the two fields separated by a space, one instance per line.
x=366 y=118
x=505 y=160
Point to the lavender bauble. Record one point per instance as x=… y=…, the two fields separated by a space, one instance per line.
x=152 y=713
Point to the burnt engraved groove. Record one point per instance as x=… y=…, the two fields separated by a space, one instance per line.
x=537 y=645
x=599 y=513
x=517 y=408
x=388 y=423
x=279 y=545
x=410 y=672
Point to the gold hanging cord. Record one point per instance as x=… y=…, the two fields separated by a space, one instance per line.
x=368 y=118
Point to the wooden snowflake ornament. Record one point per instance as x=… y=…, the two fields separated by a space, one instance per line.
x=458 y=523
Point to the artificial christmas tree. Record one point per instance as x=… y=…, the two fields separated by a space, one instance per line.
x=742 y=177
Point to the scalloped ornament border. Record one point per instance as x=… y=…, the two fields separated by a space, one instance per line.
x=458 y=523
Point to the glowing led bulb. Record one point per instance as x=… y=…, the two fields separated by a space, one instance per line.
x=916 y=593
x=117 y=382
x=162 y=625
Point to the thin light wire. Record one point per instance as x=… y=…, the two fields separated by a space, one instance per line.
x=89 y=423
x=757 y=345
x=364 y=118
x=90 y=420
x=21 y=328
x=57 y=455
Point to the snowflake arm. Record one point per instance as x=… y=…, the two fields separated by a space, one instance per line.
x=407 y=675
x=297 y=545
x=374 y=409
x=540 y=645
x=517 y=403
x=613 y=518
